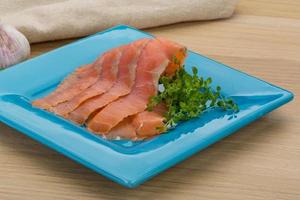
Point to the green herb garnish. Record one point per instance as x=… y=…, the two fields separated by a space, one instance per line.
x=187 y=96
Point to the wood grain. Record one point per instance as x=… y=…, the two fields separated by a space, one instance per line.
x=261 y=161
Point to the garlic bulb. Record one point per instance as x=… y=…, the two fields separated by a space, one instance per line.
x=14 y=47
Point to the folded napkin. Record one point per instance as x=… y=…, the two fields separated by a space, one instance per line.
x=42 y=20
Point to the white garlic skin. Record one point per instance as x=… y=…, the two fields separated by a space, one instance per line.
x=14 y=47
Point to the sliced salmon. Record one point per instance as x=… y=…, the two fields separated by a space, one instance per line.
x=175 y=52
x=152 y=63
x=104 y=82
x=124 y=130
x=140 y=126
x=105 y=94
x=79 y=80
x=148 y=124
x=123 y=85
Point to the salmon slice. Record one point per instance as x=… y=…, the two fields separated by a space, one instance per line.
x=152 y=63
x=105 y=81
x=140 y=126
x=175 y=52
x=125 y=81
x=124 y=130
x=79 y=80
x=148 y=124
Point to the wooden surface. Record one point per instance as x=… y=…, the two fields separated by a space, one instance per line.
x=261 y=161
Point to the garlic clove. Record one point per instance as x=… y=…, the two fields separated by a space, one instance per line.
x=14 y=47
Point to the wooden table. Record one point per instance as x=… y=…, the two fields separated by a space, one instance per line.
x=261 y=161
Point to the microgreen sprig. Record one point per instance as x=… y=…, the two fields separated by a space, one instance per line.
x=187 y=96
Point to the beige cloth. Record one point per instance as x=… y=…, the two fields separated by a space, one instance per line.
x=42 y=20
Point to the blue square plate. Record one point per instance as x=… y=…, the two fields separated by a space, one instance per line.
x=128 y=163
